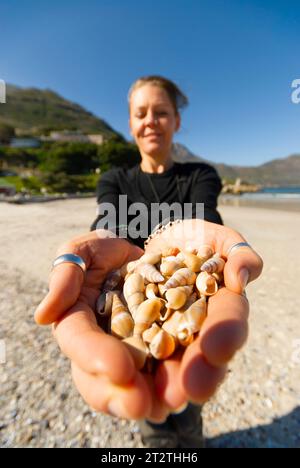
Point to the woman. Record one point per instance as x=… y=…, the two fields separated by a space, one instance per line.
x=102 y=368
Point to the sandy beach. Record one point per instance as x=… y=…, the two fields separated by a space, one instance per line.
x=257 y=406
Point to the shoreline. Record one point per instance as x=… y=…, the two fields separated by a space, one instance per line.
x=290 y=204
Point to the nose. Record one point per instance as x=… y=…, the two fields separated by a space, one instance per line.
x=151 y=119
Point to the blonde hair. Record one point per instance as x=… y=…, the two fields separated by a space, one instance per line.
x=178 y=99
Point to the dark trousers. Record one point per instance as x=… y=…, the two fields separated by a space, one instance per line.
x=183 y=430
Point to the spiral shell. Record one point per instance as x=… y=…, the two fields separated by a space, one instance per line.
x=181 y=277
x=214 y=265
x=134 y=292
x=151 y=290
x=151 y=258
x=170 y=265
x=150 y=333
x=112 y=281
x=147 y=313
x=192 y=319
x=122 y=323
x=149 y=272
x=206 y=284
x=192 y=261
x=162 y=345
x=171 y=325
x=205 y=252
x=104 y=303
x=138 y=349
x=170 y=251
x=177 y=297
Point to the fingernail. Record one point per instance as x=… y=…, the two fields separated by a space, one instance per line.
x=243 y=277
x=114 y=408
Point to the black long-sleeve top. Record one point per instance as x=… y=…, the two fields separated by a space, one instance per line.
x=182 y=183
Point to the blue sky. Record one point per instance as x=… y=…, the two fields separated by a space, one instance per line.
x=235 y=60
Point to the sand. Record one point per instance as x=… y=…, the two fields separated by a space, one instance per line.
x=258 y=404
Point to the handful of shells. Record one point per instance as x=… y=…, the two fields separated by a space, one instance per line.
x=158 y=303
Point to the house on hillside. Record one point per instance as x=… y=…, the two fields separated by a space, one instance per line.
x=68 y=136
x=25 y=143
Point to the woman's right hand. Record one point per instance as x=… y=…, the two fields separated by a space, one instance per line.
x=102 y=367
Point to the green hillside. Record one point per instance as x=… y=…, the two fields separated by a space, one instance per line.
x=35 y=111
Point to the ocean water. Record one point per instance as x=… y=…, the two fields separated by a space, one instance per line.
x=282 y=198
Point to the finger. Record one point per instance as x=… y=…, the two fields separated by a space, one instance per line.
x=65 y=285
x=131 y=401
x=199 y=378
x=168 y=386
x=159 y=409
x=225 y=329
x=243 y=265
x=95 y=352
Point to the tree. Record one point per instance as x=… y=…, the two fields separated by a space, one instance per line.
x=7 y=132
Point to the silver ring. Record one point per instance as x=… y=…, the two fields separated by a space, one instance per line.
x=237 y=246
x=70 y=258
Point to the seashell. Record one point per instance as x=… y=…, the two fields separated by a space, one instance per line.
x=112 y=281
x=190 y=300
x=171 y=325
x=138 y=349
x=165 y=314
x=190 y=249
x=162 y=345
x=205 y=252
x=168 y=267
x=181 y=277
x=151 y=290
x=150 y=257
x=214 y=265
x=192 y=319
x=180 y=256
x=193 y=262
x=177 y=297
x=170 y=251
x=162 y=288
x=122 y=323
x=104 y=303
x=149 y=272
x=150 y=333
x=185 y=339
x=147 y=313
x=219 y=277
x=100 y=303
x=134 y=292
x=206 y=284
x=128 y=268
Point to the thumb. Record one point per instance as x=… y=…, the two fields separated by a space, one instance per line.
x=243 y=265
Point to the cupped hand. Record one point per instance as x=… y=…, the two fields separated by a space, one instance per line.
x=195 y=374
x=102 y=367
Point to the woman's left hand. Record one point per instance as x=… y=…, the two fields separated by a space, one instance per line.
x=196 y=373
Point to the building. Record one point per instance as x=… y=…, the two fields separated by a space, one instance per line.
x=68 y=136
x=25 y=143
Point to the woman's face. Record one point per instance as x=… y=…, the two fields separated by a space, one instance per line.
x=153 y=120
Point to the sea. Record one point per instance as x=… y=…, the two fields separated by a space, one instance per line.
x=280 y=198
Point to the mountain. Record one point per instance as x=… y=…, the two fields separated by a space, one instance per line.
x=284 y=171
x=34 y=111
